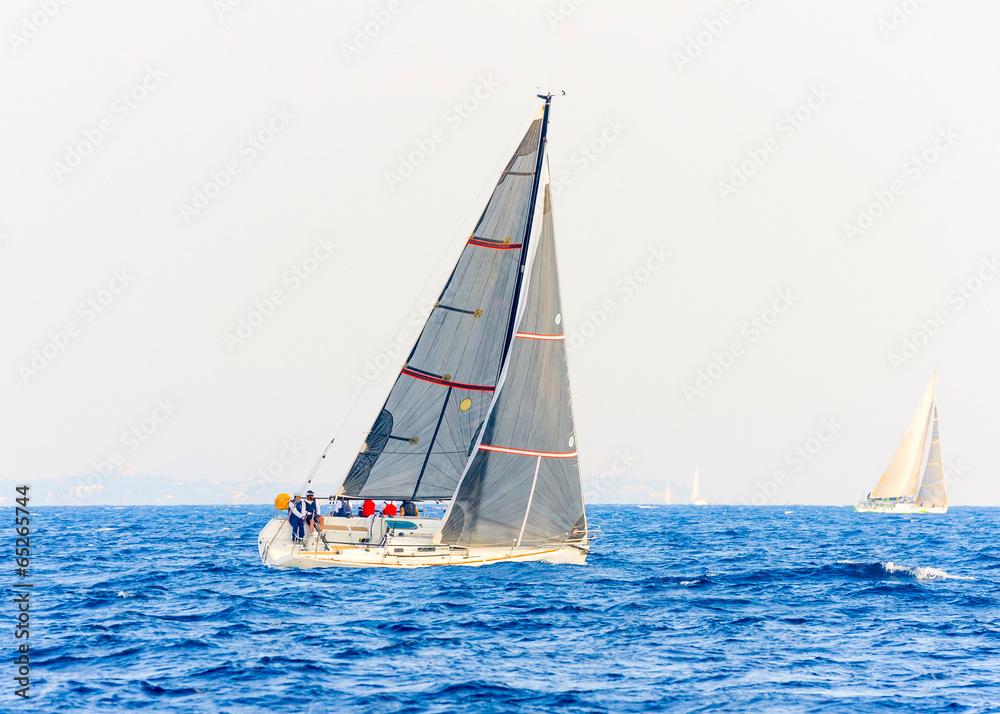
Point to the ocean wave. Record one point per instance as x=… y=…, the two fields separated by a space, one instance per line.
x=740 y=612
x=921 y=572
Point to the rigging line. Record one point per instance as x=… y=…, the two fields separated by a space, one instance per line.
x=402 y=324
x=312 y=473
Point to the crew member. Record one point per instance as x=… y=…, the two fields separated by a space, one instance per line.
x=312 y=513
x=296 y=514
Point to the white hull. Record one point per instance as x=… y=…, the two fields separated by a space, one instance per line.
x=343 y=546
x=902 y=507
x=700 y=502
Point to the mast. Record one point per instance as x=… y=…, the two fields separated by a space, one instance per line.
x=527 y=229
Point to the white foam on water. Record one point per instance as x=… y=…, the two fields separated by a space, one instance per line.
x=122 y=593
x=922 y=573
x=102 y=530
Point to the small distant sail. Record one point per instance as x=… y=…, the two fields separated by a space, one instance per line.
x=696 y=497
x=902 y=475
x=668 y=499
x=933 y=492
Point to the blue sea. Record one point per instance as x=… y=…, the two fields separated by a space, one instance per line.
x=786 y=609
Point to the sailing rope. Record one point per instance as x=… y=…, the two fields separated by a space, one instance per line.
x=532 y=108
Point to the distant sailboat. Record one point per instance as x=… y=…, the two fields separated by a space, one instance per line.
x=669 y=500
x=913 y=482
x=696 y=498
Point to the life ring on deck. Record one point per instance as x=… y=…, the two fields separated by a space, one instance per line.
x=281 y=501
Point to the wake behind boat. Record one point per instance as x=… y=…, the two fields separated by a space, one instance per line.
x=480 y=415
x=913 y=482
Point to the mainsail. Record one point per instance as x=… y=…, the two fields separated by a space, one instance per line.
x=902 y=475
x=421 y=440
x=932 y=488
x=523 y=484
x=695 y=487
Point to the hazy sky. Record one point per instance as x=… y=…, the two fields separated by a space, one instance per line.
x=170 y=168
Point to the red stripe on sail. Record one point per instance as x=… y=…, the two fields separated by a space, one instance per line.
x=526 y=452
x=457 y=385
x=533 y=336
x=497 y=246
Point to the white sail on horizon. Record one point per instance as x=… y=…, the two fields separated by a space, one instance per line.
x=901 y=477
x=696 y=497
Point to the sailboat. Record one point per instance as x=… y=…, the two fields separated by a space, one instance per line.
x=913 y=482
x=696 y=497
x=480 y=415
x=669 y=500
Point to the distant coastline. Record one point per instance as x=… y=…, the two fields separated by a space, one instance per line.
x=127 y=489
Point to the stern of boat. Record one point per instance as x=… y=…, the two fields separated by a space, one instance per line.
x=274 y=542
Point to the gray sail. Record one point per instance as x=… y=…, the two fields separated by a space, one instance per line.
x=422 y=439
x=932 y=489
x=523 y=486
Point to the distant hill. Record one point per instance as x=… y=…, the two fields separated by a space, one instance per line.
x=128 y=489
